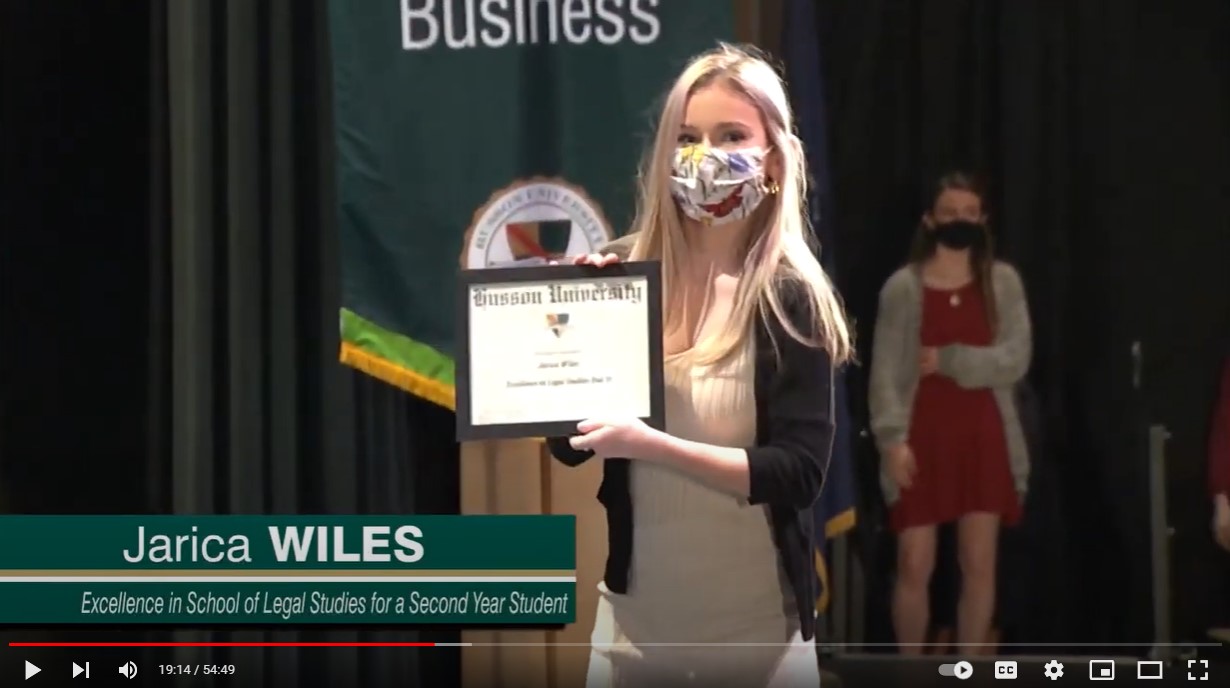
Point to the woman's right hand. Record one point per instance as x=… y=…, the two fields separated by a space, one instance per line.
x=901 y=465
x=598 y=260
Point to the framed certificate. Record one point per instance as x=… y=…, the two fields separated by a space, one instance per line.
x=541 y=348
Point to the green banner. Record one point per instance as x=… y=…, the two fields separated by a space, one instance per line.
x=288 y=569
x=360 y=543
x=472 y=133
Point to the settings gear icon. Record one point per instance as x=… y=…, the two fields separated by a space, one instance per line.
x=1054 y=670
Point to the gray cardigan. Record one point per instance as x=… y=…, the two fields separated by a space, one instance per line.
x=894 y=364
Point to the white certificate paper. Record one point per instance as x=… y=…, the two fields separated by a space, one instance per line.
x=564 y=350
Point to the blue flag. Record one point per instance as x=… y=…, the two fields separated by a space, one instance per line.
x=835 y=511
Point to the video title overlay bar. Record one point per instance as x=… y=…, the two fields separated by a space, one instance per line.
x=268 y=570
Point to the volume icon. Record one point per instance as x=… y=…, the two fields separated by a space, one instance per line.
x=128 y=670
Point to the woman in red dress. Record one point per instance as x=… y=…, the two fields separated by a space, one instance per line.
x=952 y=340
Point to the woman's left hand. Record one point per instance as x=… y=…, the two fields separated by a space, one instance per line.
x=1221 y=521
x=629 y=439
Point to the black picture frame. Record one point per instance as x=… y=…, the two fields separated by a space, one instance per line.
x=651 y=271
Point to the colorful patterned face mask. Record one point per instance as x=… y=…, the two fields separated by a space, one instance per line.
x=716 y=186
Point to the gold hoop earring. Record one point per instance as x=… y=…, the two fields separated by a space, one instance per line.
x=773 y=188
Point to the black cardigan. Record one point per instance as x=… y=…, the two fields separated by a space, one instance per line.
x=794 y=440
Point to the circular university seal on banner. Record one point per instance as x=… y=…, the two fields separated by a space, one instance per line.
x=535 y=219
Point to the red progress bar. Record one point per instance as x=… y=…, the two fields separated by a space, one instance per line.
x=226 y=644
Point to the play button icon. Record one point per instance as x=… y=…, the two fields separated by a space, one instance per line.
x=963 y=670
x=31 y=670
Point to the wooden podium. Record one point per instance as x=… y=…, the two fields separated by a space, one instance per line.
x=520 y=477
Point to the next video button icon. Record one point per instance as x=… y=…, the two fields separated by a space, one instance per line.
x=961 y=670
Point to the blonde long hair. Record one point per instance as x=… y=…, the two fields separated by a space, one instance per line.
x=779 y=249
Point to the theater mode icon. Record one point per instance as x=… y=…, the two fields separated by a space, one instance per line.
x=1149 y=669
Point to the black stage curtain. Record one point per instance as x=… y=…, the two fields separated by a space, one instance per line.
x=1102 y=126
x=171 y=294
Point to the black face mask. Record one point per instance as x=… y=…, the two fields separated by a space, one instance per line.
x=959 y=234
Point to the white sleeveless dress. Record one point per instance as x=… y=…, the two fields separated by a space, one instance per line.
x=707 y=601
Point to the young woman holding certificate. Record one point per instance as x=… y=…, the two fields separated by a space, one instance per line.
x=710 y=577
